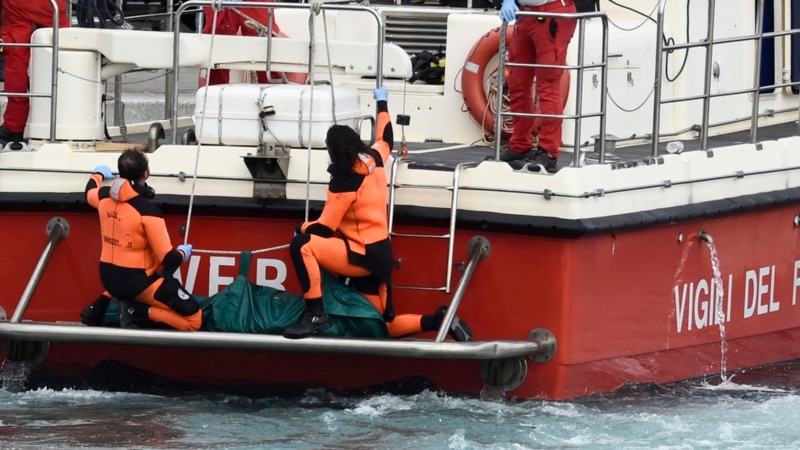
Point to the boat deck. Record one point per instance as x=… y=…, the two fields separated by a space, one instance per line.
x=443 y=156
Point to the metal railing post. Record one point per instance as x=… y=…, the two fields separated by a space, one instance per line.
x=478 y=249
x=707 y=76
x=54 y=73
x=501 y=67
x=757 y=69
x=657 y=84
x=57 y=229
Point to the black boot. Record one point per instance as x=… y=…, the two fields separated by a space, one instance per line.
x=313 y=321
x=134 y=315
x=459 y=330
x=93 y=314
x=7 y=136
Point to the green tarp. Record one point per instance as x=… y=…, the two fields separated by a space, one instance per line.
x=244 y=307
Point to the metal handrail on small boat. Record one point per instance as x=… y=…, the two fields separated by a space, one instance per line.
x=478 y=249
x=416 y=348
x=57 y=229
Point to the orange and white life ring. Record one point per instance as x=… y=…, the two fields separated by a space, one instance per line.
x=477 y=83
x=291 y=77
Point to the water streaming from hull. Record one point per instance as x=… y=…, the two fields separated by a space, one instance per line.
x=719 y=312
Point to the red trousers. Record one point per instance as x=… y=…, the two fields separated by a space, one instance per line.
x=230 y=23
x=19 y=19
x=535 y=43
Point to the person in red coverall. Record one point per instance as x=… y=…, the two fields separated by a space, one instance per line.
x=19 y=19
x=229 y=22
x=351 y=236
x=537 y=40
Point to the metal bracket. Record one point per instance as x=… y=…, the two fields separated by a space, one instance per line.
x=547 y=343
x=266 y=167
x=506 y=374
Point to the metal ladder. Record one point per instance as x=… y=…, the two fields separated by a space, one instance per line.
x=451 y=233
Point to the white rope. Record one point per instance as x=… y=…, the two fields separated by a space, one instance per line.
x=330 y=66
x=238 y=252
x=315 y=9
x=216 y=6
x=491 y=108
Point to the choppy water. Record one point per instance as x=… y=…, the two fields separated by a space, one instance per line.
x=756 y=410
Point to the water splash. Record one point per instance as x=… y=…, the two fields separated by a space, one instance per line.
x=719 y=313
x=678 y=277
x=14 y=375
x=492 y=393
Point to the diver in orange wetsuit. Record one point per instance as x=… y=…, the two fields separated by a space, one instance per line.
x=351 y=236
x=135 y=246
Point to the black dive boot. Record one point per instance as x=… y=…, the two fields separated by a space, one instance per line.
x=459 y=330
x=313 y=321
x=134 y=315
x=93 y=314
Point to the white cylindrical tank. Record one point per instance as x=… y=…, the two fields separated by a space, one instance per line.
x=79 y=95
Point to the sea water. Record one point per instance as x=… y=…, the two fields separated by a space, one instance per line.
x=749 y=410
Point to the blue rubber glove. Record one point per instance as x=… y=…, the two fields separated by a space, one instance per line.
x=187 y=251
x=104 y=170
x=508 y=12
x=380 y=93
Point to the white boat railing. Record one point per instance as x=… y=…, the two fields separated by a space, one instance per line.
x=579 y=68
x=313 y=8
x=53 y=72
x=708 y=42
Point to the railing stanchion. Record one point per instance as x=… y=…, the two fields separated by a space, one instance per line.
x=57 y=229
x=478 y=249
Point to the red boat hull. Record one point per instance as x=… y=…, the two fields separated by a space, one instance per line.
x=634 y=306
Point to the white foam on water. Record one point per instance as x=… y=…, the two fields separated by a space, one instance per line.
x=728 y=384
x=690 y=416
x=381 y=405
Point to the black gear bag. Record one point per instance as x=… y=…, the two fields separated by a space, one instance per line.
x=583 y=6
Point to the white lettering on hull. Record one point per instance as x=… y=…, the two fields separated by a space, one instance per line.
x=696 y=302
x=269 y=272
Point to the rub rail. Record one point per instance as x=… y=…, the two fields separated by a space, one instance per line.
x=78 y=333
